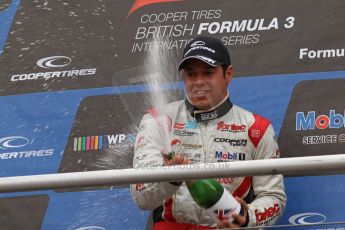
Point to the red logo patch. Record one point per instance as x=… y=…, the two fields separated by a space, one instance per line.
x=267 y=214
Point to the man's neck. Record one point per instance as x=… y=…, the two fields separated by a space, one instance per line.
x=214 y=112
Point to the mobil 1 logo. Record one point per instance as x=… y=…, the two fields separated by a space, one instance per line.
x=314 y=123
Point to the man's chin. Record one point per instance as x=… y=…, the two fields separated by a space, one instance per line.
x=203 y=106
x=201 y=103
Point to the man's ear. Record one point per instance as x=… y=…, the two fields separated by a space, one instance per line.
x=228 y=74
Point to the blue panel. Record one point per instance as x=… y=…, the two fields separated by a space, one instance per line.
x=108 y=209
x=6 y=19
x=45 y=119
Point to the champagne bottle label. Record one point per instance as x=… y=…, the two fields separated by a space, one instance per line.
x=226 y=207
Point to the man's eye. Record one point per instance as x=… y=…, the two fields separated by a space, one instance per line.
x=189 y=73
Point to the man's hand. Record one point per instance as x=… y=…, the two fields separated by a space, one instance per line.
x=239 y=220
x=178 y=159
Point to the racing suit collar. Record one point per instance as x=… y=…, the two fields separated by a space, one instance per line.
x=215 y=112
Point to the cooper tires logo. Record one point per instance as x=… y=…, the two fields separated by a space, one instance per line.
x=54 y=62
x=307 y=218
x=13 y=142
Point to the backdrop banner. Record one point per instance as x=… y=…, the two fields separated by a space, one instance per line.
x=74 y=86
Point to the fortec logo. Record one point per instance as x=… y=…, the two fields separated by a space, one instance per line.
x=55 y=63
x=14 y=145
x=227 y=156
x=267 y=215
x=311 y=121
x=230 y=127
x=141 y=3
x=88 y=143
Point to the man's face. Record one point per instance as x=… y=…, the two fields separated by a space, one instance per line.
x=206 y=85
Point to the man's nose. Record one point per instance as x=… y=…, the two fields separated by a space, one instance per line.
x=199 y=79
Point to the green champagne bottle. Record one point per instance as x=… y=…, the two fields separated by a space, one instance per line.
x=212 y=196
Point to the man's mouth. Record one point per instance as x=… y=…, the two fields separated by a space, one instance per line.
x=200 y=93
